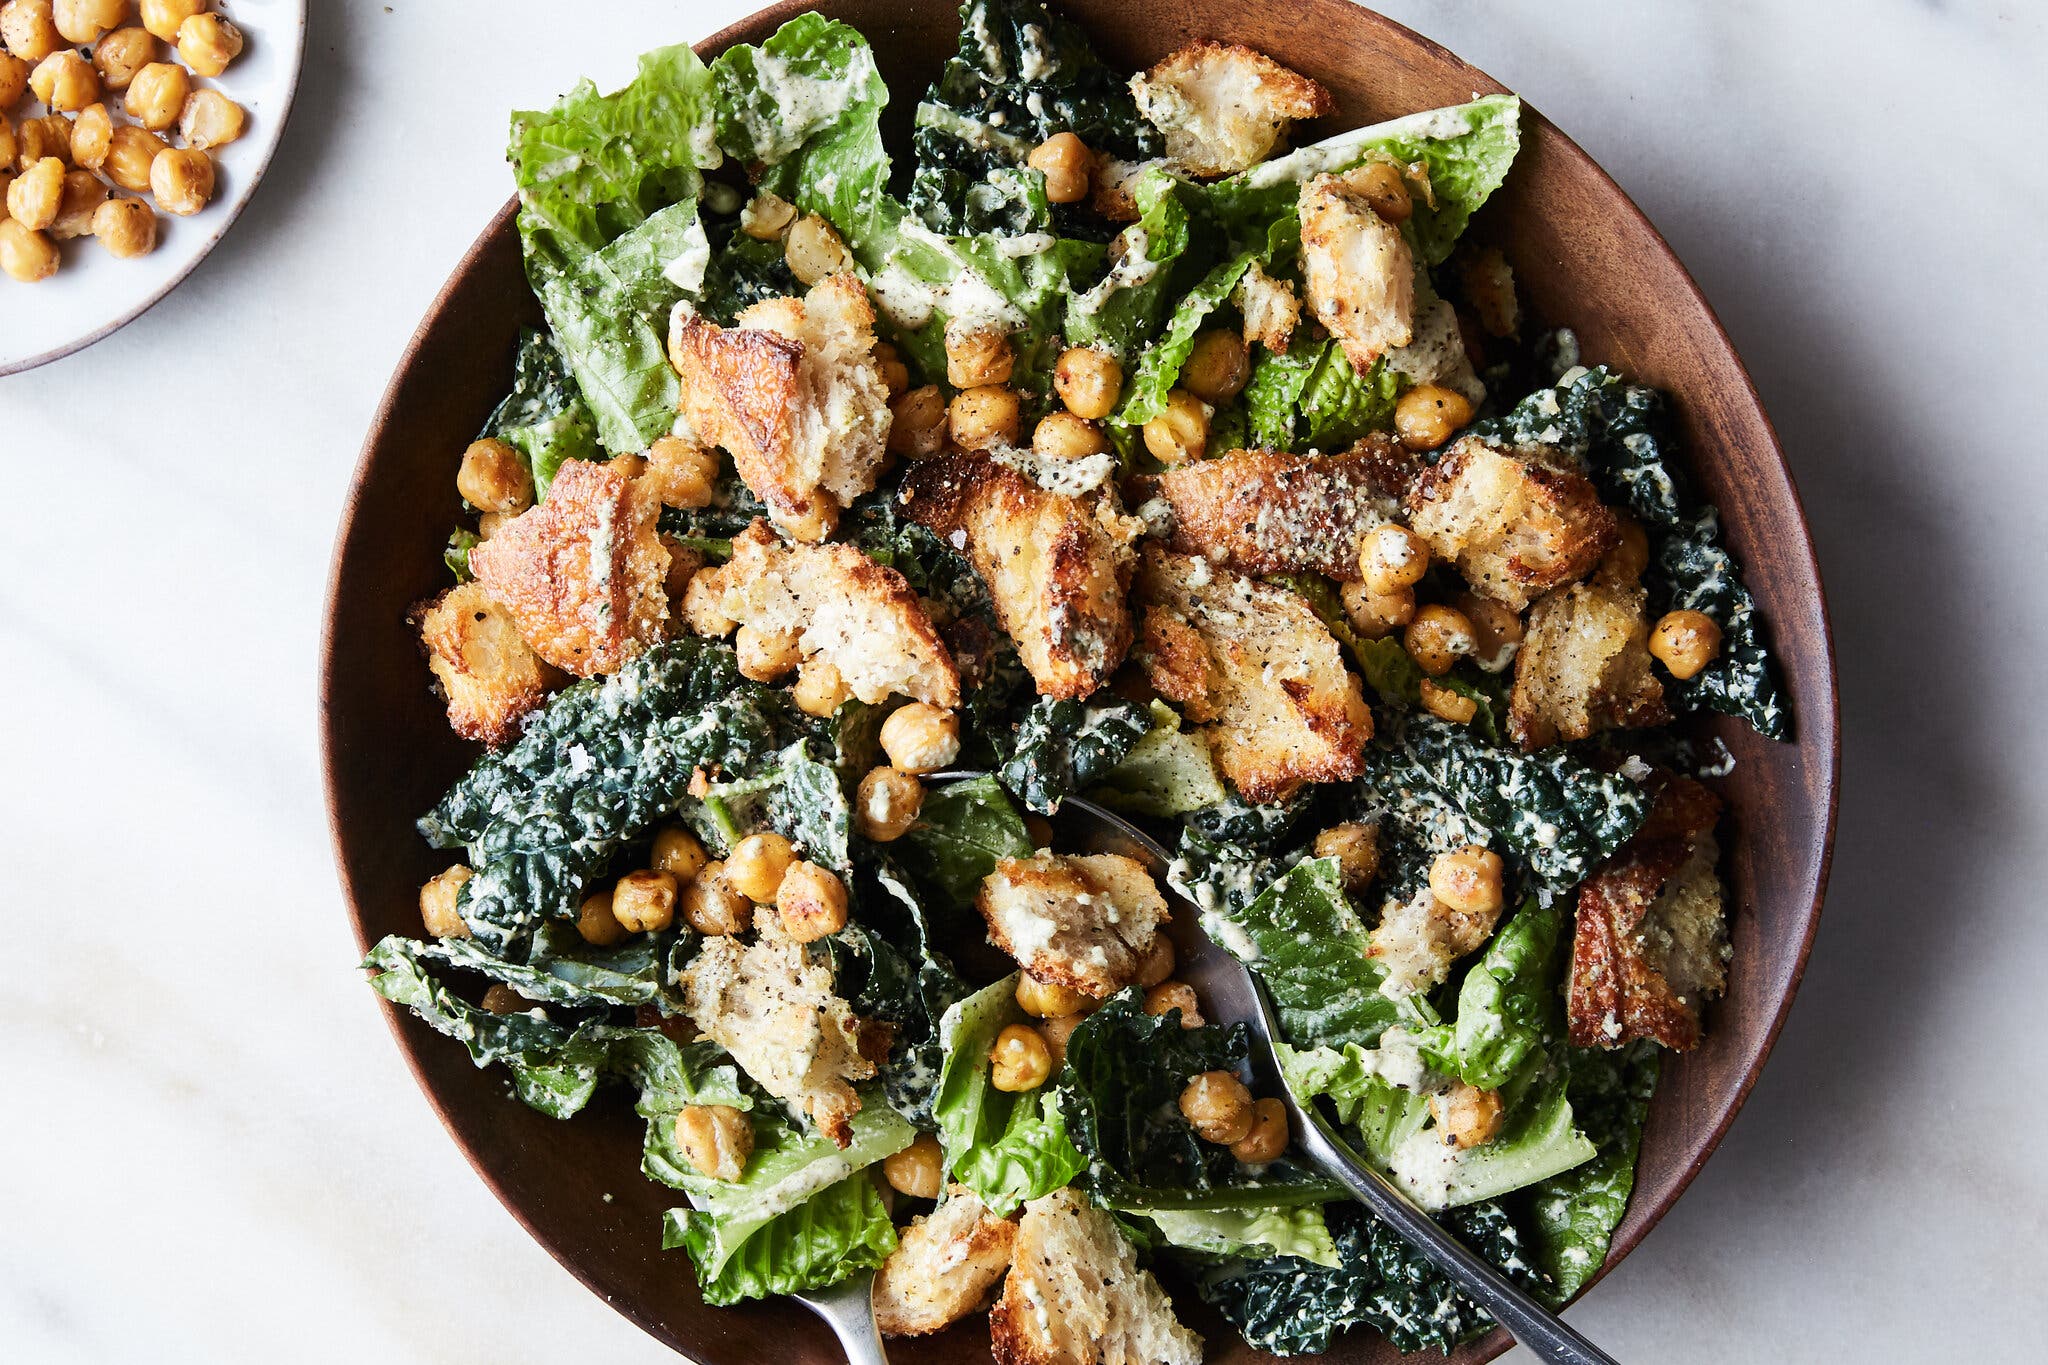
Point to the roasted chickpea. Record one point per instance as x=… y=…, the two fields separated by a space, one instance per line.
x=1624 y=564
x=704 y=605
x=1267 y=1140
x=1384 y=188
x=1175 y=995
x=1217 y=367
x=713 y=906
x=596 y=922
x=819 y=689
x=1391 y=557
x=1496 y=630
x=1157 y=963
x=65 y=81
x=442 y=893
x=921 y=738
x=83 y=21
x=984 y=417
x=977 y=355
x=1179 y=433
x=1490 y=289
x=121 y=54
x=1376 y=616
x=208 y=42
x=1465 y=1115
x=811 y=902
x=163 y=17
x=157 y=95
x=756 y=865
x=182 y=180
x=767 y=655
x=1088 y=381
x=1685 y=642
x=767 y=216
x=37 y=138
x=84 y=192
x=494 y=478
x=1437 y=638
x=1467 y=880
x=13 y=82
x=895 y=374
x=7 y=178
x=717 y=1139
x=489 y=524
x=1038 y=830
x=1020 y=1059
x=131 y=151
x=1218 y=1107
x=645 y=901
x=886 y=803
x=502 y=999
x=1355 y=845
x=1044 y=1000
x=680 y=474
x=92 y=133
x=1067 y=165
x=1063 y=436
x=813 y=250
x=1428 y=414
x=919 y=1170
x=917 y=423
x=1447 y=703
x=29 y=29
x=679 y=853
x=34 y=197
x=812 y=526
x=1056 y=1031
x=210 y=119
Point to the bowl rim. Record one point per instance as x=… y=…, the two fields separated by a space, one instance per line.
x=1795 y=537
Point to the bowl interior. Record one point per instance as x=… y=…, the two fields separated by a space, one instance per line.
x=1585 y=256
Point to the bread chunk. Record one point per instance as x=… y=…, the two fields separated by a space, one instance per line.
x=487 y=674
x=944 y=1266
x=1584 y=667
x=1271 y=312
x=1224 y=107
x=1083 y=922
x=1357 y=271
x=1075 y=1295
x=1418 y=940
x=1514 y=526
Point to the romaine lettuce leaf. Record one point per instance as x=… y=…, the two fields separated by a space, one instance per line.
x=1537 y=1141
x=1063 y=747
x=837 y=1232
x=1377 y=1114
x=963 y=830
x=1007 y=1148
x=1127 y=306
x=1145 y=391
x=1574 y=1214
x=1254 y=1234
x=1169 y=772
x=1507 y=1004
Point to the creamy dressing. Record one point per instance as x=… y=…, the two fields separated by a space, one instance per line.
x=1342 y=150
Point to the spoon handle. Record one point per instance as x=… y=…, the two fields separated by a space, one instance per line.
x=848 y=1308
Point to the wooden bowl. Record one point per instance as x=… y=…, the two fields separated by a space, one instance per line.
x=1586 y=257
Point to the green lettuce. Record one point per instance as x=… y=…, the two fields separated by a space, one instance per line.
x=1376 y=1114
x=1007 y=1148
x=1574 y=1214
x=1538 y=1140
x=544 y=418
x=1507 y=1004
x=838 y=1232
x=1251 y=1233
x=1171 y=771
x=1126 y=307
x=963 y=830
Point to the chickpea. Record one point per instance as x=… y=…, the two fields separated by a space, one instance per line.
x=1356 y=847
x=704 y=605
x=92 y=133
x=494 y=477
x=596 y=922
x=1624 y=564
x=1218 y=1107
x=767 y=216
x=1465 y=1115
x=919 y=1170
x=1067 y=165
x=895 y=374
x=886 y=803
x=83 y=21
x=1384 y=188
x=756 y=865
x=1467 y=880
x=1447 y=704
x=29 y=28
x=1267 y=1140
x=208 y=43
x=489 y=524
x=7 y=179
x=121 y=54
x=25 y=254
x=814 y=250
x=1038 y=830
x=1685 y=642
x=1175 y=995
x=1063 y=436
x=1088 y=381
x=1427 y=415
x=84 y=192
x=441 y=894
x=814 y=524
x=1020 y=1059
x=1157 y=964
x=811 y=902
x=1217 y=367
x=1179 y=433
x=182 y=180
x=13 y=82
x=977 y=355
x=1390 y=558
x=502 y=999
x=678 y=853
x=917 y=425
x=1496 y=630
x=682 y=475
x=210 y=119
x=1490 y=289
x=125 y=227
x=767 y=655
x=33 y=199
x=716 y=1139
x=645 y=901
x=65 y=81
x=157 y=95
x=1437 y=638
x=713 y=906
x=984 y=417
x=49 y=135
x=1044 y=1000
x=1376 y=616
x=1056 y=1031
x=820 y=689
x=921 y=738
x=162 y=17
x=131 y=151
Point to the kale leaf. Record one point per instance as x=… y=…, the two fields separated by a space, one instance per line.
x=1064 y=747
x=743 y=271
x=962 y=831
x=898 y=976
x=1309 y=947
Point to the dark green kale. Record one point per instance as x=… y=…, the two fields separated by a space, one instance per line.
x=1574 y=1214
x=711 y=529
x=889 y=969
x=1222 y=874
x=544 y=417
x=563 y=969
x=743 y=271
x=1064 y=747
x=1258 y=828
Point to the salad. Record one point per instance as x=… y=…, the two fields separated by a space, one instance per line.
x=854 y=510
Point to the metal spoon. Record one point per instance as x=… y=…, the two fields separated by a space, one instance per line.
x=848 y=1308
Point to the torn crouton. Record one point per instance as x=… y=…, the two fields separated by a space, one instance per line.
x=1056 y=566
x=1083 y=922
x=1224 y=107
x=1269 y=307
x=487 y=674
x=944 y=1266
x=1436 y=354
x=1357 y=271
x=1286 y=709
x=1584 y=667
x=582 y=572
x=1650 y=944
x=793 y=391
x=1075 y=1295
x=1514 y=526
x=1112 y=190
x=1418 y=940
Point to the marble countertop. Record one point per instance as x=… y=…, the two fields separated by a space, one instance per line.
x=212 y=1151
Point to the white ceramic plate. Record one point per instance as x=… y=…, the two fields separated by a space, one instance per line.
x=94 y=293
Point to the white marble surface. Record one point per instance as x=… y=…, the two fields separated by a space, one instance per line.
x=209 y=1149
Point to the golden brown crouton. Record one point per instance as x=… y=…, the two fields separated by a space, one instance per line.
x=794 y=393
x=861 y=617
x=1650 y=944
x=488 y=675
x=582 y=572
x=1513 y=526
x=1584 y=666
x=1269 y=307
x=1223 y=108
x=1056 y=566
x=1111 y=191
x=1075 y=1295
x=1357 y=271
x=944 y=1266
x=1286 y=710
x=1083 y=922
x=1262 y=512
x=1178 y=665
x=1417 y=941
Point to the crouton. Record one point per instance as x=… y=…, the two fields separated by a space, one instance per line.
x=1514 y=527
x=1357 y=271
x=1178 y=665
x=1111 y=190
x=1083 y=922
x=488 y=676
x=1584 y=667
x=1270 y=309
x=1650 y=944
x=1075 y=1295
x=794 y=393
x=1223 y=108
x=1286 y=710
x=582 y=572
x=944 y=1266
x=1417 y=941
x=775 y=1012
x=1436 y=353
x=862 y=618
x=1263 y=512
x=1056 y=566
